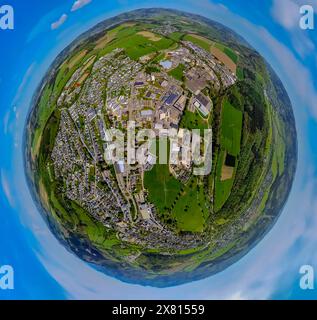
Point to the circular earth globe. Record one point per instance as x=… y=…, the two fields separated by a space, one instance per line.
x=169 y=78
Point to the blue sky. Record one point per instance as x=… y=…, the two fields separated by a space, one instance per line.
x=43 y=268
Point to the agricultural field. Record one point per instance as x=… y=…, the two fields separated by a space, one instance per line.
x=230 y=137
x=176 y=36
x=135 y=44
x=231 y=126
x=199 y=41
x=229 y=52
x=185 y=203
x=240 y=74
x=45 y=112
x=191 y=209
x=150 y=35
x=162 y=186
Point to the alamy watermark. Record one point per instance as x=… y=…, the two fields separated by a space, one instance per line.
x=306 y=281
x=6 y=277
x=6 y=17
x=306 y=21
x=182 y=147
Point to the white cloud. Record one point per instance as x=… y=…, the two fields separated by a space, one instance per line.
x=6 y=122
x=303 y=45
x=13 y=114
x=6 y=188
x=79 y=4
x=24 y=82
x=286 y=13
x=59 y=22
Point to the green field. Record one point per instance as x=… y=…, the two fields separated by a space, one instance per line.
x=121 y=28
x=45 y=110
x=135 y=44
x=191 y=210
x=186 y=205
x=230 y=53
x=204 y=44
x=230 y=136
x=231 y=126
x=192 y=120
x=222 y=188
x=162 y=186
x=159 y=57
x=178 y=72
x=176 y=36
x=240 y=73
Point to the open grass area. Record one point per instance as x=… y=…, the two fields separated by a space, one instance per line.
x=45 y=110
x=150 y=35
x=159 y=57
x=162 y=186
x=102 y=42
x=230 y=136
x=222 y=188
x=240 y=73
x=231 y=126
x=186 y=204
x=49 y=136
x=178 y=72
x=191 y=209
x=73 y=61
x=125 y=25
x=229 y=52
x=199 y=41
x=176 y=36
x=135 y=44
x=192 y=120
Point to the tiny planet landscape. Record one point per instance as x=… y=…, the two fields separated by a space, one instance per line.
x=151 y=223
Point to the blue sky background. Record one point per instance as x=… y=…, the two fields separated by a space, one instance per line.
x=43 y=268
